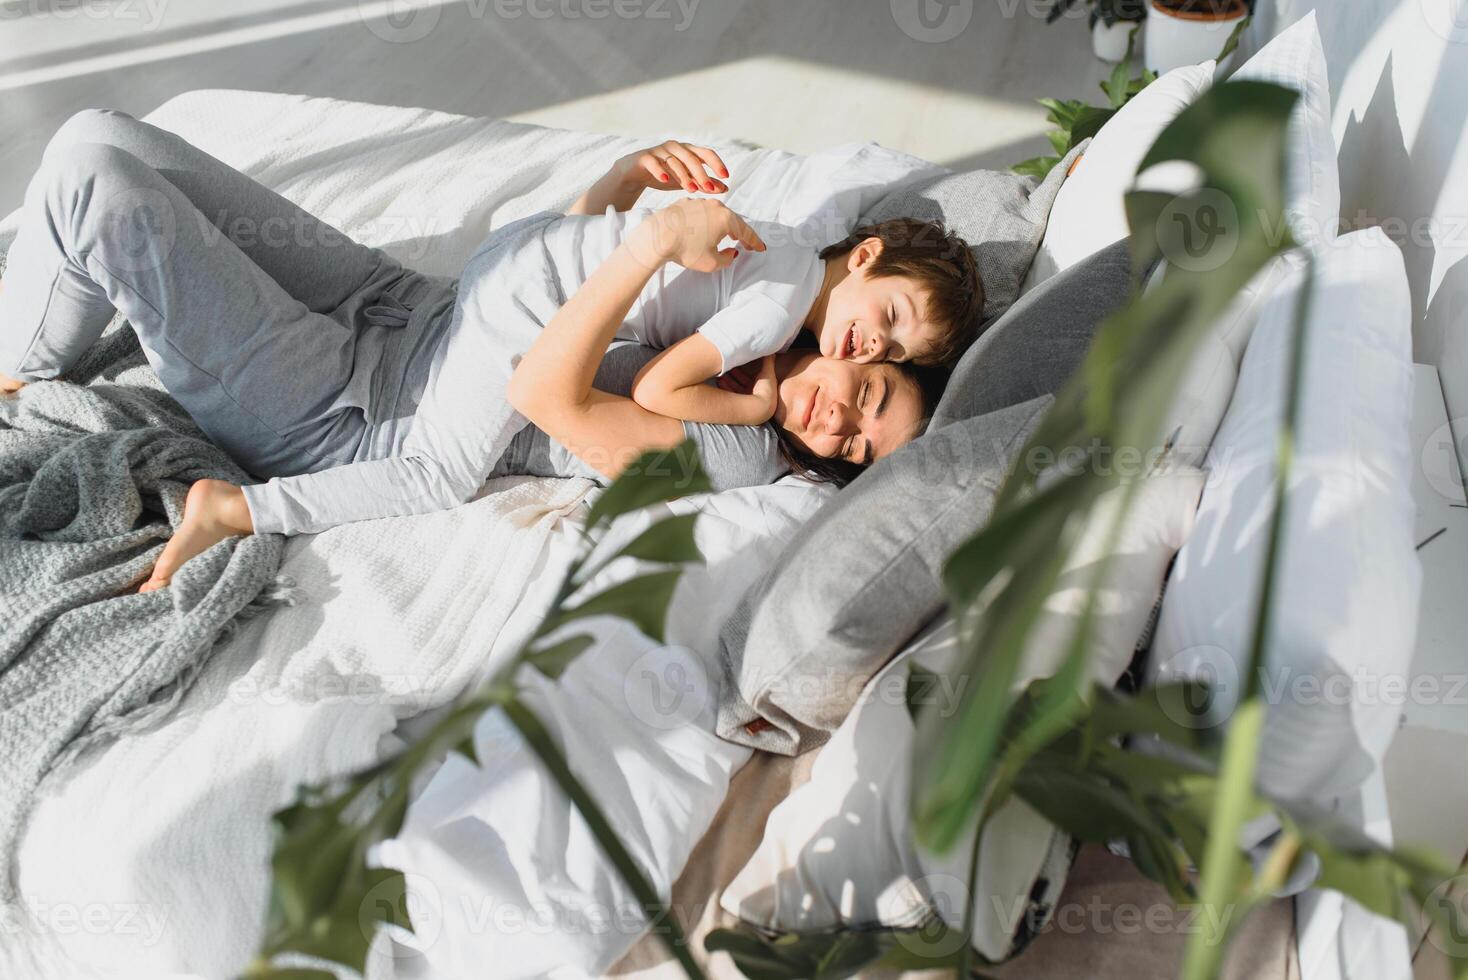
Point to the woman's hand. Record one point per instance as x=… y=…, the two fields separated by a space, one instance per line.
x=668 y=166
x=689 y=233
x=214 y=510
x=671 y=165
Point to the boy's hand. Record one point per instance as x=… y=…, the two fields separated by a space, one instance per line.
x=766 y=388
x=756 y=380
x=673 y=165
x=689 y=233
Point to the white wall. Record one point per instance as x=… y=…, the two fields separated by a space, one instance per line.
x=1399 y=90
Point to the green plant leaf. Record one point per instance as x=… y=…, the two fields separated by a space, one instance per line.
x=1059 y=141
x=1037 y=167
x=759 y=958
x=1063 y=112
x=1085 y=801
x=553 y=660
x=654 y=477
x=1152 y=711
x=670 y=540
x=642 y=601
x=1000 y=579
x=1089 y=121
x=1233 y=38
x=1057 y=8
x=1116 y=87
x=836 y=954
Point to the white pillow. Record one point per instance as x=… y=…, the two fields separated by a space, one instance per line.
x=1346 y=605
x=1208 y=384
x=1088 y=213
x=1312 y=206
x=1295 y=58
x=838 y=851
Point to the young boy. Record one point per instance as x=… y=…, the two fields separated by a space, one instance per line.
x=902 y=290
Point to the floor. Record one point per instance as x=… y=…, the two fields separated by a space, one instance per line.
x=951 y=80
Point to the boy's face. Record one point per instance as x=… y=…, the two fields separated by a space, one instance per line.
x=875 y=319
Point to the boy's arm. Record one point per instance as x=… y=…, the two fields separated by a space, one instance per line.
x=674 y=384
x=666 y=167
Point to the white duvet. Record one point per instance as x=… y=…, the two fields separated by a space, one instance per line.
x=149 y=857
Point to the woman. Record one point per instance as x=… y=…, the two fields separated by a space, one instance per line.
x=308 y=356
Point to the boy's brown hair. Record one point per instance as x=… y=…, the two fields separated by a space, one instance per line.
x=941 y=263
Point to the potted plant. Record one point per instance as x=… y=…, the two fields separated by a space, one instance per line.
x=1185 y=32
x=1112 y=24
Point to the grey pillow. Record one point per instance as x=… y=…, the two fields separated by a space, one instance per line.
x=858 y=581
x=1035 y=348
x=1001 y=215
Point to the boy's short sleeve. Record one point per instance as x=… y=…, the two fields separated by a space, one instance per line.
x=770 y=295
x=750 y=327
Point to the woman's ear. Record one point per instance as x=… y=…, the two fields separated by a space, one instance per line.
x=864 y=254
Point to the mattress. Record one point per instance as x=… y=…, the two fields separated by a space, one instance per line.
x=149 y=857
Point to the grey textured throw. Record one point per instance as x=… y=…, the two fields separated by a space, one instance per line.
x=93 y=476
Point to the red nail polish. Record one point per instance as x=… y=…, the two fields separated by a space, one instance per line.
x=709 y=185
x=692 y=186
x=724 y=172
x=664 y=177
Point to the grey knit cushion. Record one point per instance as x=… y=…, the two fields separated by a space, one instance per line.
x=1001 y=215
x=858 y=581
x=1035 y=348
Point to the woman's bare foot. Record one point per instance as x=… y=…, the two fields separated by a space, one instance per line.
x=214 y=510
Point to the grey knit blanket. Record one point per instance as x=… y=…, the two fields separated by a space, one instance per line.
x=93 y=475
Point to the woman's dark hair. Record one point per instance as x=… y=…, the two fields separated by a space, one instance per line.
x=825 y=469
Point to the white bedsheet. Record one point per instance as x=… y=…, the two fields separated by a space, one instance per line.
x=149 y=857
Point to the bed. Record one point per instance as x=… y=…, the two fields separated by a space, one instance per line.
x=149 y=856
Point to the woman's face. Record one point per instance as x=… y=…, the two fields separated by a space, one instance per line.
x=844 y=410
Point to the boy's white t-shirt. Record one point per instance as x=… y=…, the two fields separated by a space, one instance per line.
x=752 y=307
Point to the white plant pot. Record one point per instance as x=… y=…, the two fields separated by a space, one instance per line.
x=1173 y=41
x=1109 y=43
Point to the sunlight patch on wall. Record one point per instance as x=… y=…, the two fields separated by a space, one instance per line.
x=750 y=99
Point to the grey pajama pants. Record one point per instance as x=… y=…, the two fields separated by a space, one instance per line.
x=283 y=338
